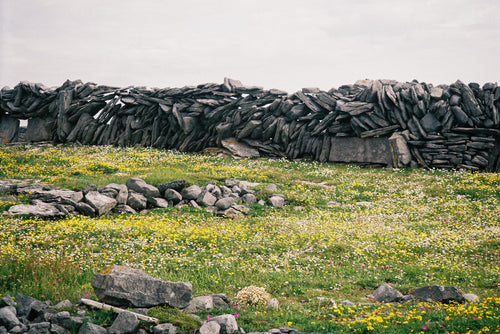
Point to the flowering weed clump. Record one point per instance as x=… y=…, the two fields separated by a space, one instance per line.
x=252 y=295
x=356 y=229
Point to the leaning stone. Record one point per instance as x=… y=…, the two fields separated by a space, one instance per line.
x=387 y=294
x=40 y=210
x=123 y=286
x=158 y=202
x=89 y=328
x=141 y=187
x=125 y=323
x=137 y=201
x=100 y=203
x=205 y=198
x=172 y=195
x=85 y=209
x=439 y=293
x=277 y=201
x=191 y=192
x=177 y=185
x=164 y=329
x=8 y=318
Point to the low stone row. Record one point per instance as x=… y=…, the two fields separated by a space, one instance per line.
x=231 y=199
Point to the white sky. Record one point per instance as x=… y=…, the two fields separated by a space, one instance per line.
x=285 y=44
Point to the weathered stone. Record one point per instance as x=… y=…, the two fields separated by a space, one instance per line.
x=123 y=208
x=7 y=301
x=224 y=203
x=401 y=155
x=40 y=210
x=141 y=187
x=123 y=286
x=249 y=198
x=158 y=202
x=240 y=149
x=369 y=150
x=206 y=198
x=430 y=123
x=8 y=318
x=62 y=196
x=277 y=201
x=164 y=329
x=137 y=201
x=56 y=329
x=241 y=208
x=100 y=203
x=67 y=321
x=85 y=209
x=63 y=304
x=177 y=185
x=173 y=196
x=471 y=298
x=271 y=187
x=125 y=323
x=120 y=189
x=9 y=129
x=436 y=93
x=39 y=328
x=200 y=303
x=387 y=294
x=89 y=328
x=39 y=129
x=210 y=327
x=227 y=323
x=439 y=293
x=191 y=192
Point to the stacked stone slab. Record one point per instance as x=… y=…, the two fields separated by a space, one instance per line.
x=453 y=126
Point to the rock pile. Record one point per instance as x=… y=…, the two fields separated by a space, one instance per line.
x=231 y=199
x=125 y=287
x=445 y=126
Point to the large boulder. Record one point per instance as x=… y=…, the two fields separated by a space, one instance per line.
x=191 y=192
x=141 y=187
x=63 y=196
x=102 y=204
x=439 y=293
x=127 y=287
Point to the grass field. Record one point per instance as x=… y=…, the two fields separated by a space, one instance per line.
x=409 y=228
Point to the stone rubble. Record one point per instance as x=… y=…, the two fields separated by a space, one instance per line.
x=231 y=199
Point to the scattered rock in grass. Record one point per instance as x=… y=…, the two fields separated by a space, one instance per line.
x=277 y=201
x=126 y=287
x=387 y=294
x=209 y=302
x=439 y=293
x=471 y=298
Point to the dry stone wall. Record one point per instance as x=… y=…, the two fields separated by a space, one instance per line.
x=384 y=122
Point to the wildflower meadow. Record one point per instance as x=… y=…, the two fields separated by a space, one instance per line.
x=344 y=231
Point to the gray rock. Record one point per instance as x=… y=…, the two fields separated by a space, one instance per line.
x=271 y=187
x=172 y=195
x=158 y=202
x=9 y=129
x=192 y=203
x=471 y=298
x=226 y=191
x=436 y=93
x=191 y=192
x=227 y=323
x=39 y=129
x=387 y=294
x=39 y=328
x=205 y=198
x=249 y=198
x=177 y=185
x=347 y=303
x=62 y=196
x=40 y=210
x=236 y=190
x=7 y=301
x=277 y=201
x=400 y=149
x=125 y=323
x=137 y=201
x=85 y=209
x=200 y=303
x=63 y=304
x=430 y=123
x=121 y=192
x=241 y=208
x=123 y=208
x=141 y=187
x=56 y=329
x=100 y=203
x=216 y=191
x=88 y=328
x=224 y=203
x=439 y=293
x=67 y=321
x=26 y=188
x=8 y=318
x=164 y=329
x=123 y=286
x=210 y=327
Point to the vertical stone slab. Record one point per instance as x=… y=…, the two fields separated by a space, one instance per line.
x=9 y=129
x=39 y=129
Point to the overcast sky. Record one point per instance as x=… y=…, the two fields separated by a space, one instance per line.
x=285 y=44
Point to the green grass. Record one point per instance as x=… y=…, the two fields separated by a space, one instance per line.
x=413 y=228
